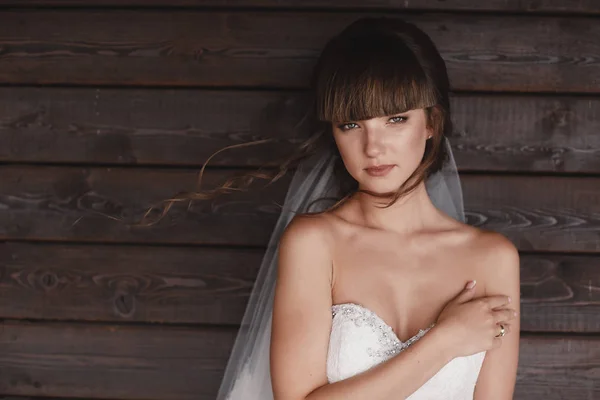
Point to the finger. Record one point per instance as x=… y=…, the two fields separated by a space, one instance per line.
x=497 y=343
x=466 y=294
x=496 y=301
x=505 y=314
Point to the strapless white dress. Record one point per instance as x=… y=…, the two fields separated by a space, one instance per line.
x=360 y=339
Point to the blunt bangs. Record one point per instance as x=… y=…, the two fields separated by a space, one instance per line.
x=370 y=76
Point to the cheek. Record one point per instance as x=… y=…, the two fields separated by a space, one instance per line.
x=351 y=154
x=407 y=144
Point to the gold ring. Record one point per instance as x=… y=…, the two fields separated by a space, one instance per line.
x=502 y=331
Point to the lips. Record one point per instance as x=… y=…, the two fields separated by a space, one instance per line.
x=379 y=170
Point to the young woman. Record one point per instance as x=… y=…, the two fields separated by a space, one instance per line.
x=387 y=293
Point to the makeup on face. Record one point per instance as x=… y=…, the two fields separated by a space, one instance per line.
x=380 y=170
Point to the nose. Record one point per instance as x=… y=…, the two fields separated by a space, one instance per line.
x=373 y=142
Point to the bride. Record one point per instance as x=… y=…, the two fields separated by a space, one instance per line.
x=383 y=292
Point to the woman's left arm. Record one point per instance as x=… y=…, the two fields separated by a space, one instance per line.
x=498 y=373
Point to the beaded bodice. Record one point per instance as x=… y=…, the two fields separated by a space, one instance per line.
x=360 y=339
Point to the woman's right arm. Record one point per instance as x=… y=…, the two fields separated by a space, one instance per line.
x=396 y=378
x=302 y=324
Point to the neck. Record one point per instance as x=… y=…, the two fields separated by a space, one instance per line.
x=410 y=213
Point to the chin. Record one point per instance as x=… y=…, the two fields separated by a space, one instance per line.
x=382 y=187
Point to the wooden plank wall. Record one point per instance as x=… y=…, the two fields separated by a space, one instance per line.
x=108 y=106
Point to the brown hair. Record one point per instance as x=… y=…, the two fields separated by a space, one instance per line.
x=374 y=67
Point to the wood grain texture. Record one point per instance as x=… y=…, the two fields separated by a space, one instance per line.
x=184 y=127
x=116 y=362
x=145 y=127
x=58 y=203
x=211 y=286
x=43 y=398
x=126 y=283
x=560 y=293
x=2 y=397
x=107 y=205
x=555 y=6
x=558 y=367
x=258 y=49
x=537 y=213
x=132 y=362
x=526 y=133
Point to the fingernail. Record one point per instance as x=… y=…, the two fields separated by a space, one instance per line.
x=509 y=299
x=471 y=284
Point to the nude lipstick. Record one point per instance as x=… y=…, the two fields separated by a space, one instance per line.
x=380 y=170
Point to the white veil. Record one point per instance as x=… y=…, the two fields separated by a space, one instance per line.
x=247 y=375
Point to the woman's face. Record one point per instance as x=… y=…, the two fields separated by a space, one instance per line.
x=395 y=143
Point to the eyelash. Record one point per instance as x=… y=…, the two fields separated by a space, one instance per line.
x=343 y=128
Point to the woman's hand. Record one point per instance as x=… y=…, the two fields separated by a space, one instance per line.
x=471 y=325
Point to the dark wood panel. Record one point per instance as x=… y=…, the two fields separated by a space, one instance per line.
x=116 y=362
x=106 y=205
x=185 y=48
x=132 y=126
x=184 y=127
x=8 y=397
x=558 y=368
x=184 y=363
x=526 y=133
x=54 y=203
x=126 y=283
x=2 y=397
x=211 y=286
x=41 y=398
x=543 y=213
x=577 y=6
x=558 y=293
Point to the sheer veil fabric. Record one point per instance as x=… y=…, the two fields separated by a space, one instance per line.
x=247 y=375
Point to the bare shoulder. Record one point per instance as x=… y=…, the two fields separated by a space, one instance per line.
x=498 y=248
x=492 y=242
x=302 y=289
x=306 y=243
x=498 y=261
x=307 y=230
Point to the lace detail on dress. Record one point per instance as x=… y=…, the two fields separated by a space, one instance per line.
x=389 y=344
x=360 y=340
